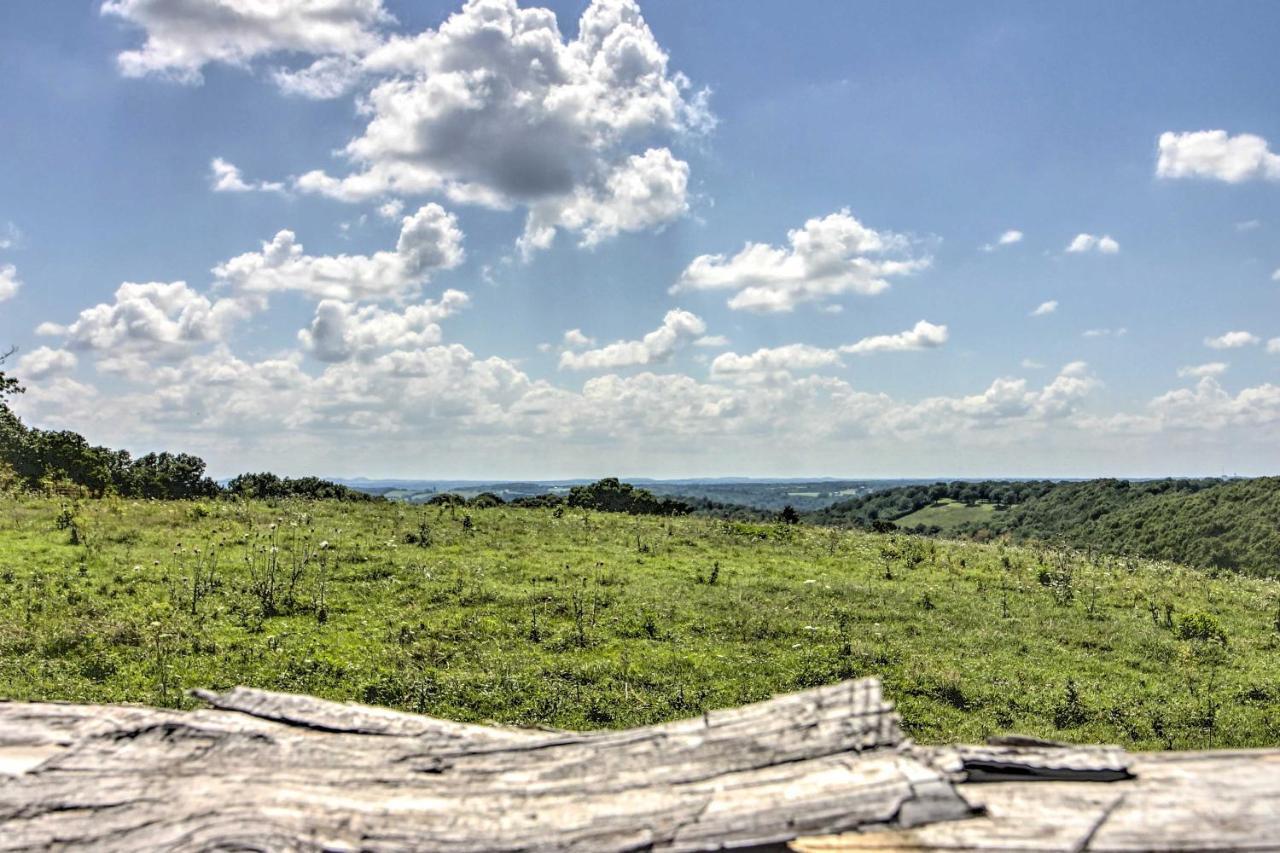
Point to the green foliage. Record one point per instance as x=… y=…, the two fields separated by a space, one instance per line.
x=611 y=495
x=599 y=619
x=1202 y=627
x=1214 y=524
x=268 y=485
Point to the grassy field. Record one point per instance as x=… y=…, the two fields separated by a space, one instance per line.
x=593 y=620
x=948 y=515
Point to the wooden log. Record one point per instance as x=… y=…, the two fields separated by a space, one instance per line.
x=267 y=771
x=1195 y=801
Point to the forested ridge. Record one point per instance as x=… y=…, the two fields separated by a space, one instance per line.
x=1209 y=523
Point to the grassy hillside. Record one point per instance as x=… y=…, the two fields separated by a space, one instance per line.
x=578 y=619
x=948 y=516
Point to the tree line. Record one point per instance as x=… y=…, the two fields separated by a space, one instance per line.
x=63 y=460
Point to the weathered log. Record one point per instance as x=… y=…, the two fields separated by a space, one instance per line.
x=1190 y=801
x=267 y=771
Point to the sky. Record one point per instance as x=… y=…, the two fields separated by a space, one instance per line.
x=495 y=240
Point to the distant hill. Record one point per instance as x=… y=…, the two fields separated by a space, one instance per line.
x=766 y=494
x=1209 y=523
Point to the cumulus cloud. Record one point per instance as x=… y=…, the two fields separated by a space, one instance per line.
x=576 y=339
x=497 y=108
x=430 y=240
x=645 y=192
x=1008 y=238
x=1089 y=243
x=1232 y=340
x=1045 y=308
x=341 y=331
x=678 y=328
x=165 y=320
x=1273 y=346
x=1217 y=155
x=10 y=284
x=44 y=363
x=225 y=177
x=827 y=257
x=1275 y=276
x=1200 y=371
x=775 y=361
x=924 y=335
x=183 y=36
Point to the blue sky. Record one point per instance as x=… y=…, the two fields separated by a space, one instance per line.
x=350 y=236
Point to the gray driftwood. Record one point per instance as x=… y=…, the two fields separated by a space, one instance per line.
x=824 y=770
x=266 y=771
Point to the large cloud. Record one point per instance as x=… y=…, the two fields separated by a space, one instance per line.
x=167 y=321
x=1214 y=154
x=341 y=331
x=826 y=258
x=183 y=36
x=678 y=329
x=430 y=240
x=497 y=108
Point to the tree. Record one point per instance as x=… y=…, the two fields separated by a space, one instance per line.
x=789 y=515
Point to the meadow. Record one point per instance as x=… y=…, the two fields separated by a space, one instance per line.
x=947 y=514
x=573 y=619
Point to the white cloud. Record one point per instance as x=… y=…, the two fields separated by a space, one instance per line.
x=1008 y=238
x=341 y=331
x=1200 y=371
x=645 y=192
x=10 y=284
x=711 y=341
x=1273 y=346
x=1207 y=406
x=497 y=108
x=678 y=328
x=1106 y=333
x=430 y=240
x=1090 y=243
x=827 y=257
x=167 y=321
x=1214 y=154
x=183 y=36
x=45 y=363
x=575 y=339
x=1031 y=364
x=327 y=77
x=1232 y=340
x=1275 y=276
x=772 y=362
x=1045 y=308
x=1248 y=225
x=924 y=335
x=225 y=177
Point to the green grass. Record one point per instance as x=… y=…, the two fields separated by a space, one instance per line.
x=592 y=620
x=948 y=515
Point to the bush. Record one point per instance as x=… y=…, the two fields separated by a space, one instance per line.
x=1202 y=627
